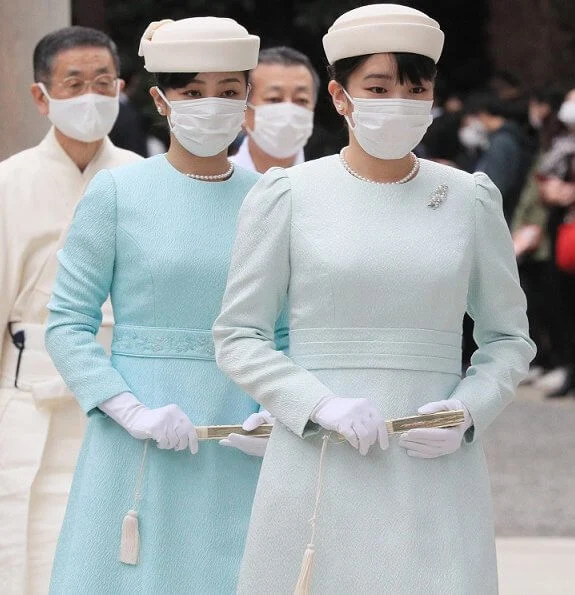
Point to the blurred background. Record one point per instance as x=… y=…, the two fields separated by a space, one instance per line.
x=507 y=69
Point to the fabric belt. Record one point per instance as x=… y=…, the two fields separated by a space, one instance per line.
x=401 y=348
x=143 y=341
x=37 y=373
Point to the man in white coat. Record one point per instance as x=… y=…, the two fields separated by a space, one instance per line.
x=41 y=426
x=279 y=118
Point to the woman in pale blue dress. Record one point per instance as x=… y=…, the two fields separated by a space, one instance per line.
x=157 y=238
x=380 y=254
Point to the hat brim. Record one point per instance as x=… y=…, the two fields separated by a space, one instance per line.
x=378 y=38
x=203 y=55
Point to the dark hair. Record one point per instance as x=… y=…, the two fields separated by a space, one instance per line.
x=414 y=68
x=488 y=103
x=505 y=77
x=288 y=56
x=68 y=38
x=552 y=96
x=174 y=80
x=551 y=127
x=177 y=80
x=129 y=68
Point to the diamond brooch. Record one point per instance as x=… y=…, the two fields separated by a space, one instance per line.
x=438 y=196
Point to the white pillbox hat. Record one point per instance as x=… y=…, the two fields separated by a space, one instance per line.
x=198 y=44
x=382 y=28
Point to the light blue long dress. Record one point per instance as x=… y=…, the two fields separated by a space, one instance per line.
x=159 y=242
x=378 y=278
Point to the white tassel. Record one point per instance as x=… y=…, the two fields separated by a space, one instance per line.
x=130 y=542
x=303 y=585
x=304 y=581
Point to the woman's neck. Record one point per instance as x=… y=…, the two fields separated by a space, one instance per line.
x=372 y=168
x=187 y=163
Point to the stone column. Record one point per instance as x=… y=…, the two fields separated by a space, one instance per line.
x=22 y=24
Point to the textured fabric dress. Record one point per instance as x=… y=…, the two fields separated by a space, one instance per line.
x=378 y=278
x=159 y=242
x=41 y=425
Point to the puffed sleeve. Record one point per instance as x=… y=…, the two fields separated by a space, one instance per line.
x=85 y=272
x=257 y=287
x=497 y=305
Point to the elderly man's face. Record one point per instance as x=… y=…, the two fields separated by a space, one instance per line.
x=77 y=71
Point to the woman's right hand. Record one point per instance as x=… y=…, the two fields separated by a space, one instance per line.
x=555 y=191
x=357 y=420
x=169 y=426
x=527 y=238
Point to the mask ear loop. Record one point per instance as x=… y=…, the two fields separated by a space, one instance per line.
x=347 y=118
x=251 y=106
x=247 y=103
x=161 y=94
x=42 y=88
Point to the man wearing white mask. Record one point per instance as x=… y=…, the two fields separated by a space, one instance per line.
x=507 y=153
x=41 y=426
x=279 y=119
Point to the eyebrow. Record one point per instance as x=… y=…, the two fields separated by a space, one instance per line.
x=75 y=72
x=384 y=76
x=299 y=89
x=232 y=79
x=273 y=88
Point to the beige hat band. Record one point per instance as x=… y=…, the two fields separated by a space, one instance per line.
x=381 y=38
x=203 y=55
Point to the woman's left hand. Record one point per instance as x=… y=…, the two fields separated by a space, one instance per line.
x=430 y=443
x=251 y=445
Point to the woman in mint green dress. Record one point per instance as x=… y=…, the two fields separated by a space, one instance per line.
x=156 y=237
x=380 y=254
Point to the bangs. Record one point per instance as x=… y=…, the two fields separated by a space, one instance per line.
x=174 y=80
x=414 y=68
x=179 y=80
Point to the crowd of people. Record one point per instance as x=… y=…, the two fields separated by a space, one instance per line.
x=524 y=140
x=229 y=276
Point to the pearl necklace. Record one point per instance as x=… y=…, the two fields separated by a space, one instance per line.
x=403 y=180
x=214 y=178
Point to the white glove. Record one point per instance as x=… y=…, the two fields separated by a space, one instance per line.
x=169 y=426
x=251 y=445
x=429 y=443
x=357 y=420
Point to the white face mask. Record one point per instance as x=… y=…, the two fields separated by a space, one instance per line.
x=389 y=128
x=567 y=113
x=208 y=126
x=281 y=129
x=87 y=118
x=474 y=135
